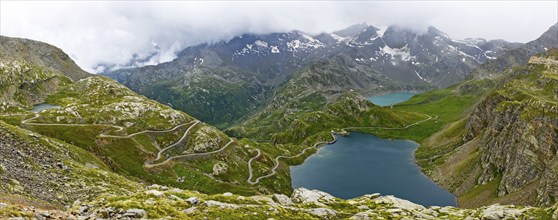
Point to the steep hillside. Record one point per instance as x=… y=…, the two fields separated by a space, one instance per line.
x=519 y=56
x=92 y=153
x=23 y=84
x=44 y=172
x=40 y=54
x=218 y=95
x=138 y=137
x=242 y=74
x=321 y=98
x=502 y=149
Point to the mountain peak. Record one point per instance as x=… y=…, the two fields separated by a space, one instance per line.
x=41 y=54
x=352 y=30
x=431 y=30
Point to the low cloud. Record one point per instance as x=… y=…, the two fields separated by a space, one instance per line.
x=114 y=33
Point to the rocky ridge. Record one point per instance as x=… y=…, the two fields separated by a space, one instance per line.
x=40 y=54
x=244 y=73
x=163 y=202
x=509 y=140
x=24 y=84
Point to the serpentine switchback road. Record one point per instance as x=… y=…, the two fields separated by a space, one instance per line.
x=148 y=163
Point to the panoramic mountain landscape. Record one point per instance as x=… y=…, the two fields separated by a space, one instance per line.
x=362 y=121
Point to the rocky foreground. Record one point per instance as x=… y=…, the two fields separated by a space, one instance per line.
x=162 y=202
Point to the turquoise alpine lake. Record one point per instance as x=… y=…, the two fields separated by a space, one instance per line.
x=43 y=106
x=360 y=164
x=391 y=98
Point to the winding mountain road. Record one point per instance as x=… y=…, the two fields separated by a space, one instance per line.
x=316 y=145
x=160 y=153
x=148 y=163
x=276 y=161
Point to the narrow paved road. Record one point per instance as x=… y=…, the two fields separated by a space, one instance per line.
x=160 y=153
x=276 y=161
x=251 y=174
x=317 y=145
x=26 y=121
x=192 y=155
x=148 y=163
x=390 y=128
x=144 y=132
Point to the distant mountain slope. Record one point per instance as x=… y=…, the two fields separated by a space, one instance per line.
x=520 y=55
x=40 y=54
x=501 y=147
x=23 y=84
x=242 y=73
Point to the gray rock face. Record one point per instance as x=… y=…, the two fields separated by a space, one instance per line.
x=514 y=128
x=521 y=151
x=40 y=53
x=219 y=168
x=155 y=193
x=282 y=199
x=193 y=200
x=303 y=195
x=323 y=212
x=496 y=212
x=18 y=159
x=395 y=58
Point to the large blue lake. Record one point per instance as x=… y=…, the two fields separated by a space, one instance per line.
x=391 y=98
x=363 y=164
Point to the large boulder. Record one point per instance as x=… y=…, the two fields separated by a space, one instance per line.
x=282 y=199
x=303 y=195
x=135 y=213
x=323 y=212
x=398 y=203
x=497 y=212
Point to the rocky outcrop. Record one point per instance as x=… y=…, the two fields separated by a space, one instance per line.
x=48 y=171
x=41 y=54
x=23 y=84
x=142 y=205
x=219 y=168
x=516 y=129
x=303 y=195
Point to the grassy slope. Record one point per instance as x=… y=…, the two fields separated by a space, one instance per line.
x=86 y=170
x=442 y=148
x=99 y=100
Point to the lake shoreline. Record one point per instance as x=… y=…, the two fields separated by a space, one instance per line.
x=325 y=151
x=344 y=189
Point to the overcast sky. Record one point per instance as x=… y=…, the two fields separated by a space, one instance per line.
x=111 y=32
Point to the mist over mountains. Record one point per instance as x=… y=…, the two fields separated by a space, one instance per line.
x=118 y=34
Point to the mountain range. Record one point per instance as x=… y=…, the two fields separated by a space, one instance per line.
x=152 y=146
x=244 y=72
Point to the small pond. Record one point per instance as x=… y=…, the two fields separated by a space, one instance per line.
x=43 y=106
x=391 y=98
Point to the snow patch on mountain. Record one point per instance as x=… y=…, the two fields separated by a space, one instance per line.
x=258 y=47
x=260 y=43
x=310 y=43
x=403 y=53
x=419 y=75
x=337 y=37
x=274 y=49
x=381 y=31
